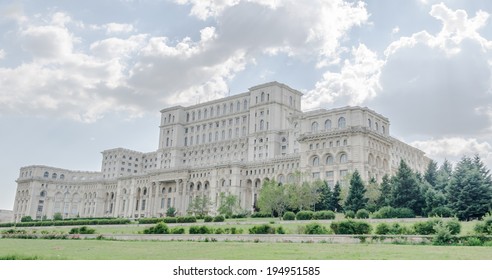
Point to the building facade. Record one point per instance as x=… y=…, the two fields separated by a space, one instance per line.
x=230 y=145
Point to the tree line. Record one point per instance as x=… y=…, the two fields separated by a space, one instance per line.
x=464 y=192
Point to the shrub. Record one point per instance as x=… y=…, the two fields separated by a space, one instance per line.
x=441 y=211
x=82 y=230
x=200 y=230
x=315 y=228
x=186 y=219
x=304 y=215
x=454 y=226
x=362 y=214
x=150 y=220
x=427 y=227
x=392 y=229
x=351 y=227
x=473 y=241
x=389 y=212
x=349 y=214
x=289 y=216
x=208 y=219
x=280 y=230
x=160 y=228
x=170 y=220
x=262 y=229
x=324 y=215
x=26 y=219
x=57 y=217
x=443 y=235
x=261 y=215
x=219 y=218
x=219 y=231
x=484 y=227
x=177 y=230
x=171 y=212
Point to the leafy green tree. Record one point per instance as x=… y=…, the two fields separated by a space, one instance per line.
x=356 y=198
x=431 y=173
x=336 y=199
x=229 y=204
x=57 y=216
x=199 y=205
x=325 y=197
x=469 y=191
x=406 y=190
x=384 y=198
x=372 y=194
x=273 y=198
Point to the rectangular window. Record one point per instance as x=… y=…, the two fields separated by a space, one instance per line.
x=315 y=175
x=143 y=204
x=329 y=174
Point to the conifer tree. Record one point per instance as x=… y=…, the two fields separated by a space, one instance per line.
x=356 y=198
x=325 y=197
x=336 y=198
x=406 y=190
x=384 y=192
x=431 y=173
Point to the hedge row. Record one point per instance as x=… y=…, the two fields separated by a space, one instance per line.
x=309 y=215
x=68 y=223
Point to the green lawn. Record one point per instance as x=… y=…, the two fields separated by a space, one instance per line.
x=136 y=250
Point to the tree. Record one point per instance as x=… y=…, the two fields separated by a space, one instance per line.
x=443 y=176
x=372 y=194
x=356 y=198
x=336 y=198
x=229 y=204
x=57 y=216
x=273 y=198
x=26 y=219
x=433 y=198
x=431 y=173
x=325 y=197
x=384 y=198
x=405 y=190
x=171 y=212
x=469 y=191
x=199 y=205
x=303 y=196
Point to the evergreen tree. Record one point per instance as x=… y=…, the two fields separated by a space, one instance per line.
x=431 y=173
x=373 y=193
x=336 y=198
x=443 y=176
x=325 y=197
x=469 y=192
x=406 y=190
x=356 y=198
x=384 y=198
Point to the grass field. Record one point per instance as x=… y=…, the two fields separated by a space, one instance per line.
x=141 y=250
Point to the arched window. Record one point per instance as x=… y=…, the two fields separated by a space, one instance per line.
x=329 y=160
x=231 y=108
x=187 y=117
x=62 y=176
x=383 y=130
x=290 y=100
x=224 y=109
x=46 y=174
x=376 y=126
x=315 y=161
x=314 y=127
x=262 y=124
x=245 y=104
x=218 y=110
x=205 y=115
x=238 y=106
x=343 y=158
x=145 y=191
x=193 y=116
x=53 y=176
x=211 y=111
x=42 y=194
x=328 y=124
x=341 y=122
x=369 y=123
x=262 y=96
x=199 y=114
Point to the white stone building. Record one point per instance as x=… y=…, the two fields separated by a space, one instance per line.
x=228 y=145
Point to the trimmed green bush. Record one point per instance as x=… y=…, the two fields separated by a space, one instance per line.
x=160 y=228
x=289 y=216
x=186 y=219
x=349 y=214
x=208 y=219
x=82 y=230
x=170 y=220
x=426 y=227
x=391 y=229
x=177 y=230
x=324 y=215
x=441 y=211
x=454 y=226
x=351 y=227
x=219 y=218
x=150 y=220
x=261 y=215
x=200 y=230
x=362 y=214
x=262 y=229
x=304 y=215
x=484 y=227
x=315 y=228
x=389 y=212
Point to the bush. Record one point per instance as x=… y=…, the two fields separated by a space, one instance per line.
x=262 y=229
x=351 y=227
x=280 y=230
x=150 y=220
x=454 y=226
x=208 y=219
x=391 y=229
x=82 y=230
x=186 y=219
x=200 y=230
x=170 y=220
x=441 y=211
x=219 y=218
x=349 y=214
x=473 y=241
x=261 y=215
x=160 y=228
x=484 y=227
x=426 y=228
x=443 y=235
x=362 y=214
x=26 y=219
x=389 y=212
x=177 y=230
x=324 y=215
x=315 y=228
x=304 y=215
x=57 y=217
x=171 y=212
x=289 y=216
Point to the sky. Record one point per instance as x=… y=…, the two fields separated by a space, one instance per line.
x=80 y=77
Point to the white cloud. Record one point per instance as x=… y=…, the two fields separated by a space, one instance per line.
x=112 y=28
x=2 y=54
x=455 y=148
x=354 y=84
